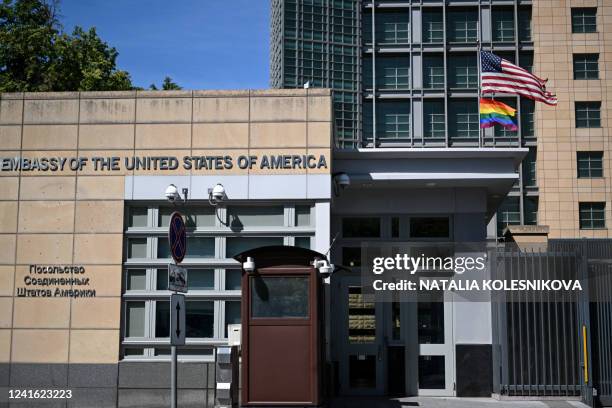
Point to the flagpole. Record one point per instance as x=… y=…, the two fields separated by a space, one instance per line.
x=479 y=49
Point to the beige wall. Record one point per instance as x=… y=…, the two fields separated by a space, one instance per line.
x=75 y=217
x=558 y=139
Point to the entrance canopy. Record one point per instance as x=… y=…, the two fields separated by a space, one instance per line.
x=492 y=169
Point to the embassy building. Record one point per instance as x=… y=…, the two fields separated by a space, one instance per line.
x=383 y=147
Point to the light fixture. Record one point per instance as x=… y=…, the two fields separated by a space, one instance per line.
x=216 y=194
x=249 y=265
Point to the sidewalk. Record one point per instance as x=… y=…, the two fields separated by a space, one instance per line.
x=446 y=402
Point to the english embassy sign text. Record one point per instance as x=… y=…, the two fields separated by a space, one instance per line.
x=203 y=163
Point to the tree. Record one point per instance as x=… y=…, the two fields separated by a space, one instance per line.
x=167 y=85
x=36 y=55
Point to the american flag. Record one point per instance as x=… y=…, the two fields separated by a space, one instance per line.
x=499 y=75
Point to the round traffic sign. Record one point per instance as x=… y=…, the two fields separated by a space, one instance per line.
x=177 y=237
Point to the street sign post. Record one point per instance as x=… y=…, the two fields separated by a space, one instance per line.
x=177 y=320
x=177 y=282
x=177 y=278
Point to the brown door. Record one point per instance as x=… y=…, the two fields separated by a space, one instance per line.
x=282 y=336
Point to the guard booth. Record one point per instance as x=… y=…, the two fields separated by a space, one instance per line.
x=282 y=327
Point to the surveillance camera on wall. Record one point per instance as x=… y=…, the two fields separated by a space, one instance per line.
x=172 y=194
x=216 y=194
x=324 y=267
x=343 y=180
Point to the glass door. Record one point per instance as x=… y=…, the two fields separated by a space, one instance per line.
x=436 y=363
x=362 y=353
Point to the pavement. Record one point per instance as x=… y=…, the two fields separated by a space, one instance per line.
x=448 y=402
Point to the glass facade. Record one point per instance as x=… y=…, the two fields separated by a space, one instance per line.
x=317 y=41
x=213 y=277
x=397 y=87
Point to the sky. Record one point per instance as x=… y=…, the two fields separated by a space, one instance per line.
x=201 y=44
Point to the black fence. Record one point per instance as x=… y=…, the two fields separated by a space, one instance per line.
x=553 y=345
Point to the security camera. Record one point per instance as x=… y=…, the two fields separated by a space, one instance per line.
x=172 y=194
x=324 y=267
x=216 y=194
x=342 y=180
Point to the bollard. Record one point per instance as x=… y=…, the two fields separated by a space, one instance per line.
x=226 y=377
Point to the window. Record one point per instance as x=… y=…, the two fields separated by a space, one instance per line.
x=464 y=119
x=138 y=217
x=509 y=213
x=590 y=164
x=236 y=245
x=195 y=217
x=524 y=24
x=430 y=317
x=526 y=60
x=137 y=247
x=592 y=215
x=393 y=121
x=213 y=300
x=233 y=279
x=351 y=257
x=433 y=71
x=584 y=20
x=527 y=118
x=302 y=242
x=395 y=227
x=243 y=216
x=232 y=314
x=463 y=26
x=136 y=279
x=302 y=215
x=361 y=227
x=503 y=25
x=279 y=296
x=588 y=114
x=368 y=120
x=530 y=205
x=367 y=26
x=135 y=319
x=434 y=119
x=393 y=72
x=464 y=71
x=433 y=26
x=392 y=27
x=197 y=247
x=586 y=66
x=529 y=168
x=429 y=227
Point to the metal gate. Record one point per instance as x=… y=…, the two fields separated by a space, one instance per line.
x=536 y=341
x=600 y=275
x=597 y=261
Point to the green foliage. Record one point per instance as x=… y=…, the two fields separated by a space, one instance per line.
x=36 y=55
x=167 y=85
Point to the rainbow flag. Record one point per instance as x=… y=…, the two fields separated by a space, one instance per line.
x=492 y=112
